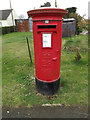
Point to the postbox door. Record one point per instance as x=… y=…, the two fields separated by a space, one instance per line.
x=49 y=52
x=50 y=55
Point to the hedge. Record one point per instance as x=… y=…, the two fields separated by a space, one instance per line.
x=6 y=30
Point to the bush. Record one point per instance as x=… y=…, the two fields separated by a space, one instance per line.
x=6 y=30
x=81 y=22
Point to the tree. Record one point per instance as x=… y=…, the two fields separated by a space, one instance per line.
x=70 y=10
x=21 y=16
x=81 y=22
x=47 y=4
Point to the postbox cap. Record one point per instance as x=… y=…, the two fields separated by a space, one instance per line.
x=47 y=11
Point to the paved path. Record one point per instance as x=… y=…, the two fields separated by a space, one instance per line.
x=46 y=112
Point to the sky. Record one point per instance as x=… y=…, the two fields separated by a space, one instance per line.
x=22 y=6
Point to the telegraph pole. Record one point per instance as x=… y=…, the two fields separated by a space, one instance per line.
x=12 y=14
x=55 y=3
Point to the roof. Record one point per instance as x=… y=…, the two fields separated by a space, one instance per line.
x=5 y=14
x=69 y=19
x=47 y=11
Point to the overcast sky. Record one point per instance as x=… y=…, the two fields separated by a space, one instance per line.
x=22 y=6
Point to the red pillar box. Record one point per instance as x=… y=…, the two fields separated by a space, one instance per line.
x=47 y=34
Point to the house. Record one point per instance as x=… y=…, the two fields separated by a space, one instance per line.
x=8 y=17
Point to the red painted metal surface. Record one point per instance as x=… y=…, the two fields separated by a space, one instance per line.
x=47 y=59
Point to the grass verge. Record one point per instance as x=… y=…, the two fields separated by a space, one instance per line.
x=18 y=73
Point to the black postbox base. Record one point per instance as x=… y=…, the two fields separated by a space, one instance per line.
x=47 y=88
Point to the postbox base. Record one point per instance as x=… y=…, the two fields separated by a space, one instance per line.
x=47 y=88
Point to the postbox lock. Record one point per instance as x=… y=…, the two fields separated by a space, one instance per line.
x=46 y=21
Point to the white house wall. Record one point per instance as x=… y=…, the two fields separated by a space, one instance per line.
x=15 y=15
x=4 y=23
x=9 y=20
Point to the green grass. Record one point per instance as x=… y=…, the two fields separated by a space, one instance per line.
x=18 y=73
